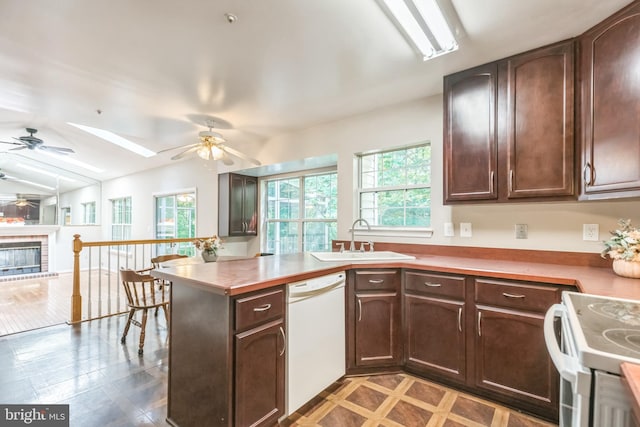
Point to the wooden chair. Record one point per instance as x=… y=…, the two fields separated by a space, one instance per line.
x=142 y=294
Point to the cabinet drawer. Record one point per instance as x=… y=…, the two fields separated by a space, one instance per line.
x=255 y=309
x=435 y=284
x=377 y=280
x=516 y=295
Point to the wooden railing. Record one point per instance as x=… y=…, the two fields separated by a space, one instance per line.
x=96 y=267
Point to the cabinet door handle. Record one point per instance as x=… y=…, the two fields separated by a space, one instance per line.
x=262 y=307
x=460 y=319
x=479 y=324
x=511 y=181
x=491 y=183
x=585 y=177
x=513 y=295
x=376 y=282
x=284 y=341
x=359 y=310
x=432 y=285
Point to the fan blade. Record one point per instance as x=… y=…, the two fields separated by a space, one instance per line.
x=18 y=148
x=225 y=158
x=239 y=154
x=11 y=143
x=185 y=152
x=179 y=146
x=57 y=150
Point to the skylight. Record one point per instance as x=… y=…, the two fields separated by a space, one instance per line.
x=116 y=139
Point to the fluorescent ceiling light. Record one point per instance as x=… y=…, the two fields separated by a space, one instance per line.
x=35 y=184
x=43 y=172
x=71 y=160
x=116 y=139
x=423 y=23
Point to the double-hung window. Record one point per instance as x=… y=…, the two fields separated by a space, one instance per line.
x=89 y=213
x=176 y=218
x=394 y=189
x=301 y=213
x=121 y=219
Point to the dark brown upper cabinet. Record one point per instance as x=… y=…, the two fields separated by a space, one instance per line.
x=237 y=205
x=470 y=134
x=610 y=106
x=509 y=128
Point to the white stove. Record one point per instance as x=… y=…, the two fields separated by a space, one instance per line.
x=606 y=330
x=597 y=334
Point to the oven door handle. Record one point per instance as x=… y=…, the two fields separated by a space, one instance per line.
x=568 y=367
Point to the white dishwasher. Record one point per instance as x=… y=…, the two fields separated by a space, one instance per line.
x=315 y=337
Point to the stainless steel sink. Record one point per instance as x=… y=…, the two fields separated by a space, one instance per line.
x=361 y=256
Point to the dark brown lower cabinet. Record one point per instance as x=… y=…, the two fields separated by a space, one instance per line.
x=373 y=320
x=435 y=339
x=511 y=359
x=259 y=378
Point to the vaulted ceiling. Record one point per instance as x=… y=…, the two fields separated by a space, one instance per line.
x=152 y=71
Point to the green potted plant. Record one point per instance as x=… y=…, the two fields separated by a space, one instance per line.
x=624 y=248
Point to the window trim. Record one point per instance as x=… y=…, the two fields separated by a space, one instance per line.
x=404 y=231
x=301 y=220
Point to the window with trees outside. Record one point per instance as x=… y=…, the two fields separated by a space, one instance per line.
x=89 y=213
x=395 y=187
x=301 y=213
x=176 y=218
x=121 y=219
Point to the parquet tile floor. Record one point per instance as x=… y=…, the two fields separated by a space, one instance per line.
x=403 y=400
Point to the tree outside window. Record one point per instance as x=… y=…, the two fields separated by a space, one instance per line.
x=395 y=187
x=176 y=218
x=301 y=213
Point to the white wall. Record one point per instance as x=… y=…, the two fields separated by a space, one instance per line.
x=552 y=226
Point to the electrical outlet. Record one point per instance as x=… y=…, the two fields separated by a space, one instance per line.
x=465 y=229
x=590 y=232
x=448 y=229
x=522 y=231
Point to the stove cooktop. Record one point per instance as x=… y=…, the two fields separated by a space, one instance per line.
x=606 y=330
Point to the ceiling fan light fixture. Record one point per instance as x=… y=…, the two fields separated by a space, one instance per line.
x=209 y=135
x=204 y=152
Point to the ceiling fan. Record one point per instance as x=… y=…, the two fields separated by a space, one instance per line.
x=211 y=146
x=18 y=201
x=34 y=143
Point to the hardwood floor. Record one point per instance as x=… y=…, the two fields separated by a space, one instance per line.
x=28 y=304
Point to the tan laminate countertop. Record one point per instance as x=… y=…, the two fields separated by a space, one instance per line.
x=246 y=275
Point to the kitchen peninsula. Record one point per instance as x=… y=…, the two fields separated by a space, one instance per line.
x=216 y=379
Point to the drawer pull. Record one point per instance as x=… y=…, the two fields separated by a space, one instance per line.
x=262 y=307
x=376 y=282
x=479 y=323
x=432 y=285
x=512 y=295
x=359 y=310
x=460 y=319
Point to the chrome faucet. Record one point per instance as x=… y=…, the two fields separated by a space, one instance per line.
x=352 y=247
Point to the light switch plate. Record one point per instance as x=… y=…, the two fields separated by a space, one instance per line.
x=590 y=232
x=465 y=229
x=522 y=231
x=448 y=229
